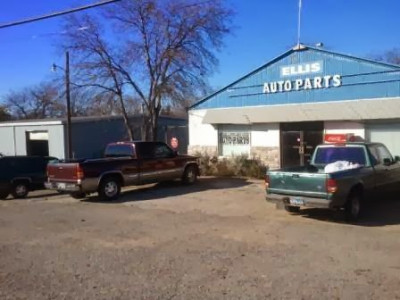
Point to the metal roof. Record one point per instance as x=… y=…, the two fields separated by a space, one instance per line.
x=298 y=49
x=363 y=109
x=59 y=121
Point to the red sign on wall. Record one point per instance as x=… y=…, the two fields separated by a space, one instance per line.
x=338 y=137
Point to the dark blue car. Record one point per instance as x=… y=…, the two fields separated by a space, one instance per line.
x=21 y=174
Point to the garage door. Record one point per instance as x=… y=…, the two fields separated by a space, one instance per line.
x=388 y=134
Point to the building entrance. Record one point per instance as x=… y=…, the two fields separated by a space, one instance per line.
x=37 y=143
x=298 y=141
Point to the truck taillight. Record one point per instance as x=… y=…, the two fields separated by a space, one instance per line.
x=331 y=186
x=79 y=172
x=266 y=181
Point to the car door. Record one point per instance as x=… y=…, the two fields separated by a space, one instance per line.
x=5 y=173
x=166 y=162
x=127 y=162
x=387 y=170
x=392 y=168
x=38 y=165
x=380 y=169
x=148 y=163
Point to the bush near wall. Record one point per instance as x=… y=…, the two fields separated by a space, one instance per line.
x=234 y=166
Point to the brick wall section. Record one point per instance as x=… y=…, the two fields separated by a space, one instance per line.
x=270 y=156
x=209 y=150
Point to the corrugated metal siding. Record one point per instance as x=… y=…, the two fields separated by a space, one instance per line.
x=91 y=138
x=7 y=146
x=361 y=79
x=14 y=137
x=56 y=138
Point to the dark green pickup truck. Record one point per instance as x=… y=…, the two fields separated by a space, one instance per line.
x=373 y=169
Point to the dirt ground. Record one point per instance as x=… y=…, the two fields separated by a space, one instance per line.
x=218 y=239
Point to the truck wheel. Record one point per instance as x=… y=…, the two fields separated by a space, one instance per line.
x=4 y=194
x=352 y=209
x=292 y=209
x=109 y=189
x=20 y=190
x=190 y=175
x=78 y=195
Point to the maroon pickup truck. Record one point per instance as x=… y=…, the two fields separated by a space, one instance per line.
x=124 y=164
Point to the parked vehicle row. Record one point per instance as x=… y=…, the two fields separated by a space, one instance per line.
x=363 y=170
x=124 y=164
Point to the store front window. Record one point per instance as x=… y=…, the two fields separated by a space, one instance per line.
x=234 y=140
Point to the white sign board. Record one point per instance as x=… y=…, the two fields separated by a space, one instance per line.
x=308 y=83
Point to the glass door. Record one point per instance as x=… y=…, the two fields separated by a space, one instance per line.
x=291 y=141
x=298 y=141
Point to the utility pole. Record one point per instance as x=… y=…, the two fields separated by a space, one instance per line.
x=299 y=24
x=68 y=96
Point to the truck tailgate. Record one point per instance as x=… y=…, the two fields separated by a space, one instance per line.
x=299 y=184
x=63 y=172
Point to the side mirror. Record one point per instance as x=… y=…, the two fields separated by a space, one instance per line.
x=175 y=152
x=387 y=161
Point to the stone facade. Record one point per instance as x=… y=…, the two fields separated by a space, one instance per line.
x=208 y=150
x=270 y=156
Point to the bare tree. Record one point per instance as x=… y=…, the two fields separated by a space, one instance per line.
x=95 y=66
x=391 y=56
x=160 y=52
x=4 y=114
x=37 y=102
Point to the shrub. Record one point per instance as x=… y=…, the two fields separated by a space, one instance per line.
x=235 y=166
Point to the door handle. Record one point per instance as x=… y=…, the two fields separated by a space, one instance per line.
x=295 y=176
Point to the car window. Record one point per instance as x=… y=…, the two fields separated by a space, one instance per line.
x=374 y=155
x=162 y=151
x=327 y=155
x=383 y=153
x=119 y=150
x=145 y=150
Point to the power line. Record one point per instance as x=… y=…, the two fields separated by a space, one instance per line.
x=56 y=14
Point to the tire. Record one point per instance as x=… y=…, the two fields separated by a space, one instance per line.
x=292 y=209
x=78 y=195
x=352 y=209
x=20 y=190
x=4 y=194
x=190 y=175
x=109 y=189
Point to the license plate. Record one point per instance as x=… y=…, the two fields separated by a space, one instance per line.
x=296 y=201
x=61 y=186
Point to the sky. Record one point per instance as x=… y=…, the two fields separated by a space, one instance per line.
x=263 y=30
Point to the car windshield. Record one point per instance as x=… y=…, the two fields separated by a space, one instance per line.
x=327 y=155
x=118 y=150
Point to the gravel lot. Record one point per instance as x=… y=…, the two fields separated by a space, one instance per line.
x=218 y=239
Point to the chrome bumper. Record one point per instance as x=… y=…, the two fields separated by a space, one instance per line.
x=62 y=186
x=299 y=201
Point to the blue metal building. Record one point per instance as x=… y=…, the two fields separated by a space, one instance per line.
x=90 y=135
x=281 y=111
